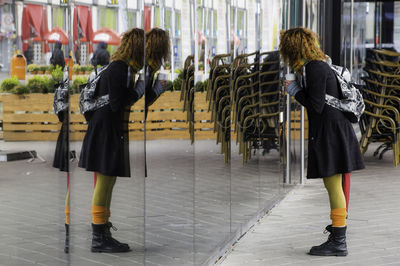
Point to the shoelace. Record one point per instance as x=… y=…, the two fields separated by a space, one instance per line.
x=112 y=226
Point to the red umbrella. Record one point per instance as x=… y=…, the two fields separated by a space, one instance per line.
x=107 y=35
x=57 y=35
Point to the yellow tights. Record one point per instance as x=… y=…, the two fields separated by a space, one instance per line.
x=101 y=200
x=333 y=185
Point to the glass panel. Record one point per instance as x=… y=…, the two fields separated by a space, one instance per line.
x=212 y=146
x=244 y=87
x=169 y=140
x=270 y=124
x=34 y=154
x=110 y=147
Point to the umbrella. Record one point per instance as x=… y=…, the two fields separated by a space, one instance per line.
x=107 y=35
x=57 y=35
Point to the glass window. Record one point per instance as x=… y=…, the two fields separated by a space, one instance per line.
x=58 y=18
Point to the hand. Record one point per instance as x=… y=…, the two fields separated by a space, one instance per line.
x=292 y=88
x=286 y=83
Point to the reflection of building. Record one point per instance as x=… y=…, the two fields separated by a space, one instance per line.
x=36 y=17
x=7 y=29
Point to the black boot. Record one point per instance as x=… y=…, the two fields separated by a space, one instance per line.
x=66 y=247
x=109 y=225
x=102 y=242
x=336 y=244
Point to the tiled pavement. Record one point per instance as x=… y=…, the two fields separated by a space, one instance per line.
x=185 y=218
x=176 y=233
x=284 y=236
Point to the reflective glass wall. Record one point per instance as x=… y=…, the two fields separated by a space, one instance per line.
x=211 y=142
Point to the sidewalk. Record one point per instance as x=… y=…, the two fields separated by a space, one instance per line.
x=285 y=235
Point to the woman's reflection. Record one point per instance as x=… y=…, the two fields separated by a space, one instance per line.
x=61 y=109
x=105 y=146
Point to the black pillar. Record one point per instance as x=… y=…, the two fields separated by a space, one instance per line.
x=330 y=21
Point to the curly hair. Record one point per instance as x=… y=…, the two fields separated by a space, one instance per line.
x=299 y=43
x=131 y=47
x=157 y=45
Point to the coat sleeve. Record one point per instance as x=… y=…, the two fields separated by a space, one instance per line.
x=313 y=96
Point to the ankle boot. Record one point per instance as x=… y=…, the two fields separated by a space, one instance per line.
x=102 y=242
x=66 y=246
x=334 y=246
x=109 y=225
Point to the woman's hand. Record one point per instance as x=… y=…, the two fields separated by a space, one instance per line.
x=286 y=83
x=292 y=87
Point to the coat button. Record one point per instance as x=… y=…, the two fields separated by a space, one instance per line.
x=312 y=138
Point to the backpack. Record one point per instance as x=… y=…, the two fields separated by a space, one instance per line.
x=352 y=102
x=88 y=102
x=60 y=101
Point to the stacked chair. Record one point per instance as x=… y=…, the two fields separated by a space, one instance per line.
x=381 y=92
x=218 y=95
x=187 y=93
x=245 y=91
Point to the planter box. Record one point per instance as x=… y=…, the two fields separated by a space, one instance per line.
x=31 y=117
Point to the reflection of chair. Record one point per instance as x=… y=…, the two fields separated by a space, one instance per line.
x=187 y=94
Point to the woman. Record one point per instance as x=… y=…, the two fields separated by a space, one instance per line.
x=332 y=148
x=105 y=146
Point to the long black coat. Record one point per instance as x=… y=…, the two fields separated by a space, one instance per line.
x=61 y=154
x=332 y=147
x=105 y=148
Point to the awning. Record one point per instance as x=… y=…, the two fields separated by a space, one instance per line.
x=107 y=35
x=82 y=25
x=34 y=24
x=57 y=35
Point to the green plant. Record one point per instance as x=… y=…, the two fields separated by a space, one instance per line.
x=42 y=68
x=20 y=89
x=77 y=82
x=205 y=84
x=8 y=84
x=177 y=84
x=40 y=84
x=76 y=68
x=199 y=86
x=32 y=67
x=48 y=84
x=201 y=66
x=167 y=65
x=57 y=74
x=178 y=71
x=168 y=85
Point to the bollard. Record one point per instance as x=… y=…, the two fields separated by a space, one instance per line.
x=18 y=66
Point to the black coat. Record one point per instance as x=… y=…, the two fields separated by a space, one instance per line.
x=101 y=56
x=61 y=154
x=332 y=147
x=105 y=148
x=57 y=57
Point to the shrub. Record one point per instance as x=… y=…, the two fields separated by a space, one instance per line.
x=76 y=68
x=40 y=84
x=42 y=68
x=168 y=85
x=177 y=84
x=20 y=89
x=77 y=82
x=205 y=84
x=57 y=74
x=8 y=84
x=33 y=67
x=199 y=86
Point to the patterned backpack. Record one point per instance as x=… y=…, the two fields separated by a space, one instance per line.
x=352 y=102
x=88 y=102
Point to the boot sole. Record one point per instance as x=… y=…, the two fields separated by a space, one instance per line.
x=337 y=254
x=95 y=250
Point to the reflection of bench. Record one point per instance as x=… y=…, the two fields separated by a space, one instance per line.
x=31 y=117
